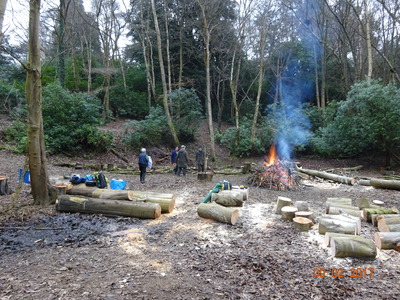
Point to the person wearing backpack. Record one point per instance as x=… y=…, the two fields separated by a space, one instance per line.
x=143 y=163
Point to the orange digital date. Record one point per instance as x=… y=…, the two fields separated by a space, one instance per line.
x=341 y=273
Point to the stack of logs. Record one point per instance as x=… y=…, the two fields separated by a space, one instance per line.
x=341 y=225
x=223 y=205
x=139 y=204
x=299 y=214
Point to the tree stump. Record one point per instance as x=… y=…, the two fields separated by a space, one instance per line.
x=305 y=214
x=4 y=189
x=61 y=189
x=348 y=247
x=281 y=202
x=218 y=213
x=288 y=212
x=387 y=240
x=301 y=206
x=302 y=224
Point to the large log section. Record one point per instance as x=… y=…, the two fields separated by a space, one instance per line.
x=68 y=203
x=218 y=213
x=358 y=247
x=387 y=240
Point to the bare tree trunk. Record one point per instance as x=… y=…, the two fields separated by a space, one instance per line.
x=36 y=148
x=167 y=48
x=3 y=5
x=368 y=40
x=162 y=70
x=207 y=58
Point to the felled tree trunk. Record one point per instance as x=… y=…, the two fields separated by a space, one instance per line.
x=385 y=184
x=67 y=203
x=332 y=210
x=288 y=212
x=218 y=213
x=4 y=189
x=112 y=194
x=367 y=212
x=228 y=198
x=334 y=177
x=167 y=205
x=302 y=224
x=339 y=224
x=281 y=202
x=387 y=240
x=348 y=247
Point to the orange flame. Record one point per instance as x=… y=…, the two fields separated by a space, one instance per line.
x=272 y=156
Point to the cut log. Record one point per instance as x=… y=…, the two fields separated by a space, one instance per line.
x=347 y=247
x=385 y=184
x=340 y=224
x=68 y=203
x=364 y=182
x=302 y=205
x=325 y=175
x=4 y=189
x=281 y=202
x=167 y=205
x=228 y=198
x=288 y=213
x=362 y=203
x=330 y=235
x=302 y=224
x=332 y=210
x=367 y=212
x=244 y=191
x=218 y=213
x=112 y=194
x=341 y=201
x=389 y=225
x=378 y=203
x=387 y=240
x=305 y=214
x=375 y=218
x=61 y=189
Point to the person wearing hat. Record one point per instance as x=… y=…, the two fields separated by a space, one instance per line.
x=143 y=163
x=182 y=161
x=200 y=159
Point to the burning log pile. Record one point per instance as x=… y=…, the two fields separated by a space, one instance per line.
x=275 y=174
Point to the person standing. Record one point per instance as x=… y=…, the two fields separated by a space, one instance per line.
x=182 y=161
x=174 y=154
x=143 y=163
x=200 y=159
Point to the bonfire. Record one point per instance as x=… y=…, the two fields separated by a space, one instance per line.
x=275 y=174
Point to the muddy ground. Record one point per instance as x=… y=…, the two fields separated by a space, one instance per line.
x=45 y=254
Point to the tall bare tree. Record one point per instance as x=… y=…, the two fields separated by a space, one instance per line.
x=3 y=5
x=163 y=79
x=36 y=148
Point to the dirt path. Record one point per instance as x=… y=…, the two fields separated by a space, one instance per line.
x=49 y=255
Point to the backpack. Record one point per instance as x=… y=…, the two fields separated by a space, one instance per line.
x=101 y=180
x=226 y=185
x=76 y=179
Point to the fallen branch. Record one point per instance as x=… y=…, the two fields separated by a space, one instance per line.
x=385 y=184
x=113 y=151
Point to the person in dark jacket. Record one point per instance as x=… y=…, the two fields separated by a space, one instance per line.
x=200 y=156
x=174 y=154
x=182 y=161
x=143 y=163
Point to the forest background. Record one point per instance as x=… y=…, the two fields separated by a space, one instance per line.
x=316 y=76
